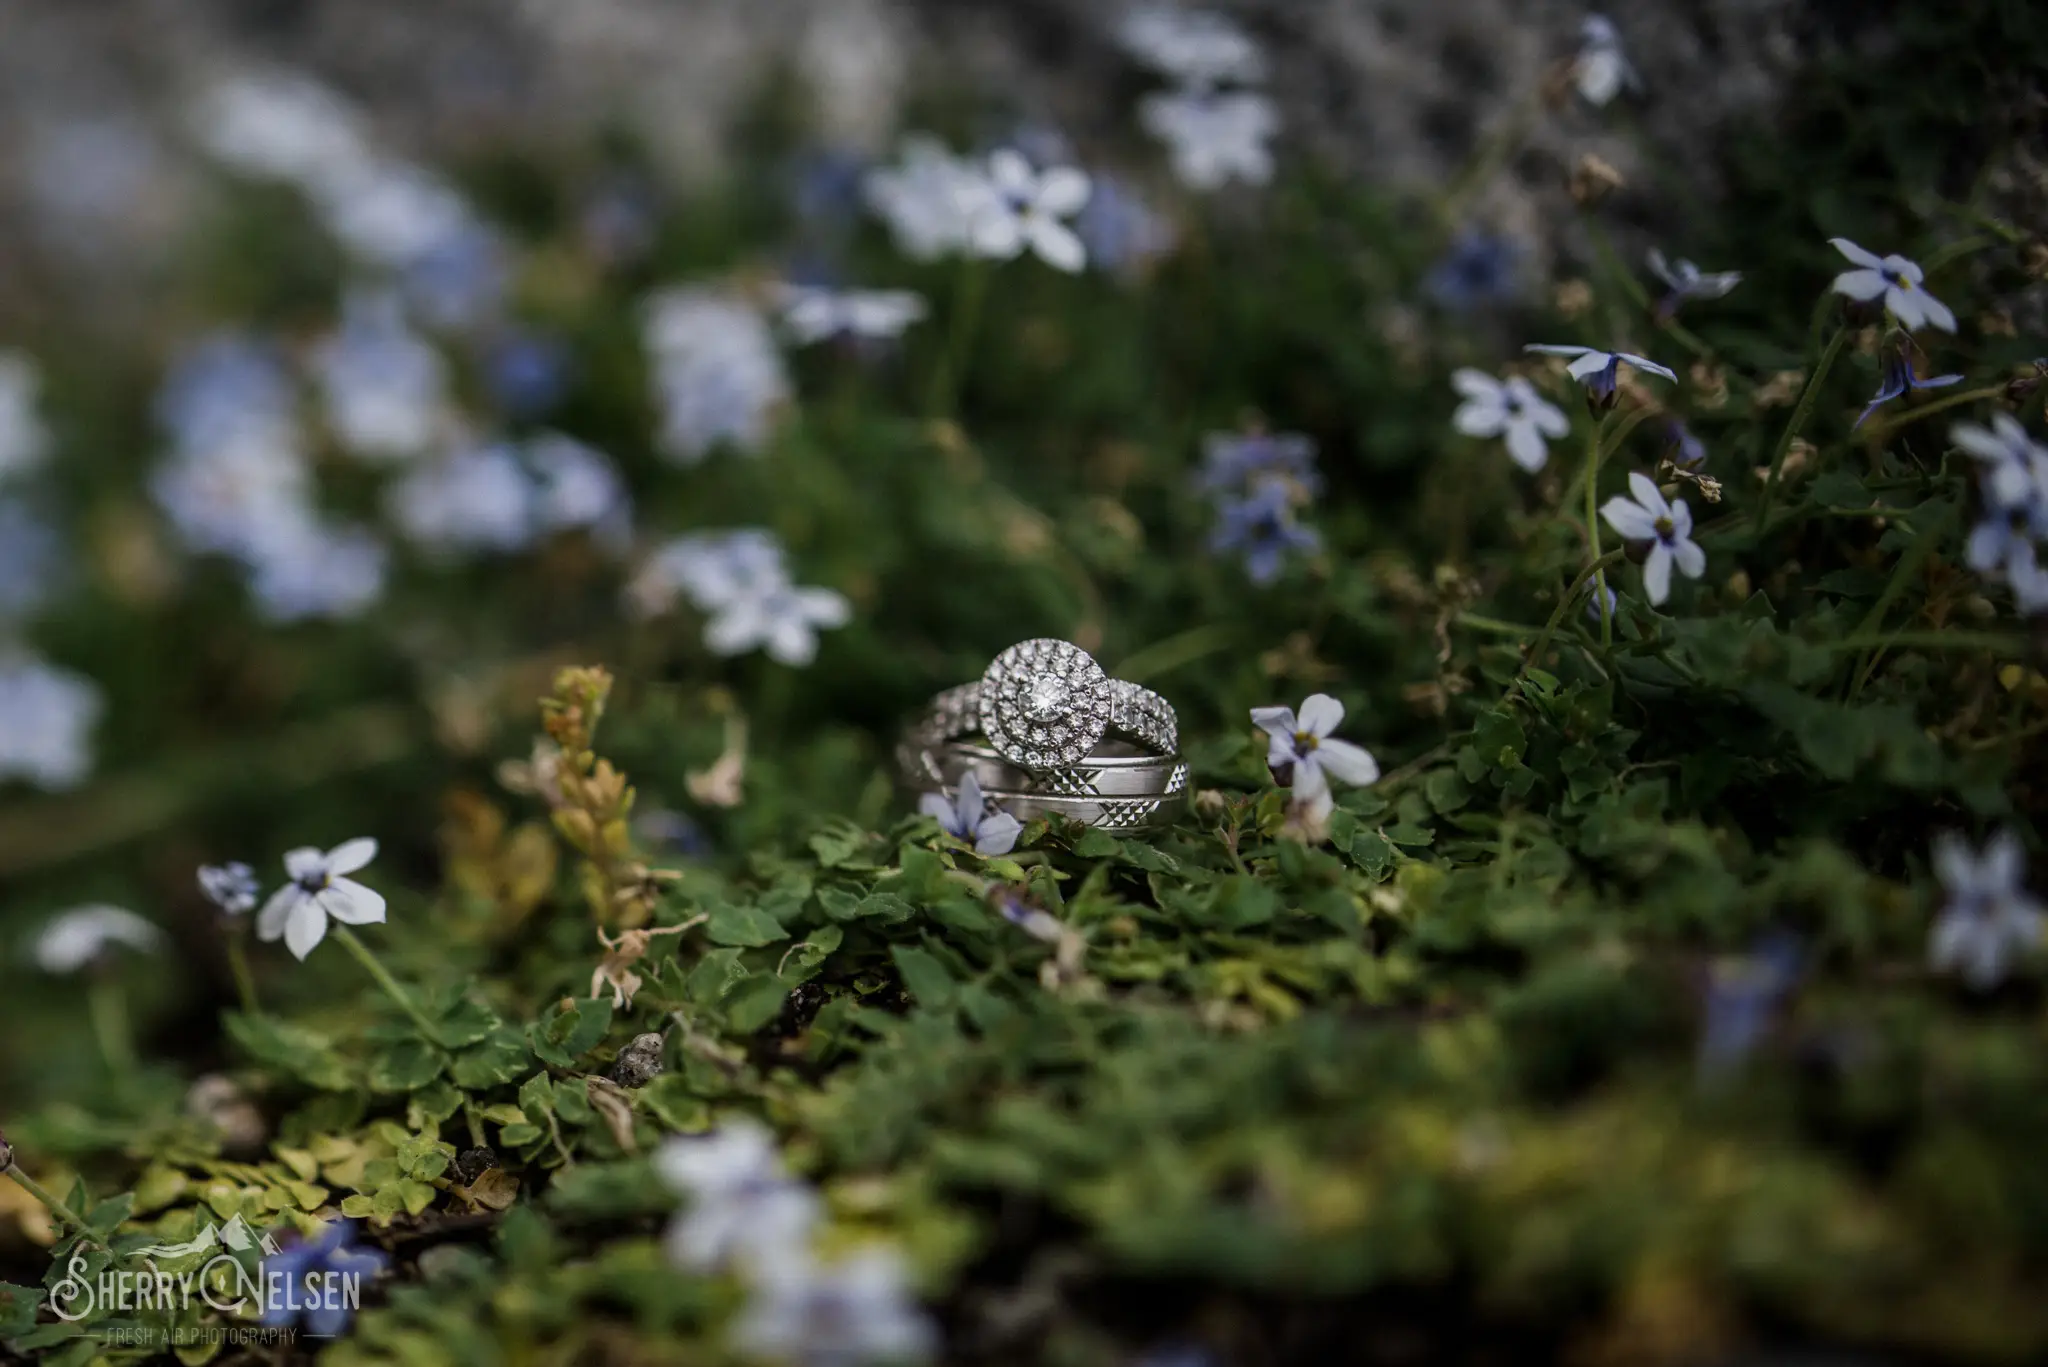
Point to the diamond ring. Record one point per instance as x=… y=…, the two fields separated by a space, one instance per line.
x=1046 y=704
x=1056 y=737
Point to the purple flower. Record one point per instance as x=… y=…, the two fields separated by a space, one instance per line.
x=968 y=818
x=1687 y=450
x=1599 y=371
x=526 y=372
x=231 y=887
x=1305 y=755
x=1666 y=527
x=1479 y=269
x=1687 y=281
x=318 y=1283
x=1895 y=280
x=1988 y=915
x=1261 y=527
x=1896 y=376
x=1123 y=234
x=1233 y=461
x=1741 y=997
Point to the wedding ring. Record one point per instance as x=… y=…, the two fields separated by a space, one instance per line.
x=1045 y=703
x=1045 y=714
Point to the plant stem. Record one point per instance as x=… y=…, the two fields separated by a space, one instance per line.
x=1928 y=410
x=238 y=964
x=109 y=1008
x=953 y=360
x=1163 y=657
x=1593 y=532
x=376 y=969
x=1800 y=413
x=56 y=1207
x=1571 y=595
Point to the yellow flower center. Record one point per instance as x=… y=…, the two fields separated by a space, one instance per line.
x=1304 y=741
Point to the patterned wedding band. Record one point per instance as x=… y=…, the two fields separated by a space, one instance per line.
x=1117 y=788
x=1046 y=704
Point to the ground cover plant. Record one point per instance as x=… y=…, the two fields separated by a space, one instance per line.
x=450 y=673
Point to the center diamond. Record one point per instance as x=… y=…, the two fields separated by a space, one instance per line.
x=1045 y=698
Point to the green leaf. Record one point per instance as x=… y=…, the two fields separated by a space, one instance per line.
x=884 y=906
x=1097 y=845
x=18 y=1309
x=537 y=1097
x=923 y=976
x=755 y=1003
x=502 y=1057
x=427 y=1108
x=467 y=1022
x=405 y=1067
x=570 y=1032
x=293 y=1050
x=739 y=924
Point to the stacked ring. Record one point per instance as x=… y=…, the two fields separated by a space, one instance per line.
x=1056 y=737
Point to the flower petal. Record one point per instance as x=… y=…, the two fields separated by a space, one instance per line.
x=1308 y=782
x=1861 y=285
x=1855 y=253
x=1351 y=763
x=306 y=928
x=1321 y=714
x=304 y=862
x=997 y=834
x=1277 y=722
x=938 y=808
x=352 y=904
x=351 y=855
x=1056 y=244
x=1590 y=364
x=1475 y=384
x=967 y=805
x=1939 y=316
x=1692 y=561
x=270 y=922
x=1648 y=494
x=1552 y=349
x=1630 y=519
x=1479 y=418
x=1657 y=574
x=1644 y=363
x=1526 y=447
x=1062 y=191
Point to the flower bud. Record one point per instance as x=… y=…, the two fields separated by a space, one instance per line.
x=6 y=1154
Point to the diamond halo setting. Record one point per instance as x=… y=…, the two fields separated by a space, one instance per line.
x=1044 y=702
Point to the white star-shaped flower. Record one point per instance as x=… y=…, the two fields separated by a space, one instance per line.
x=1305 y=755
x=811 y=313
x=1509 y=408
x=1666 y=526
x=1895 y=280
x=1213 y=139
x=297 y=913
x=1988 y=915
x=1025 y=208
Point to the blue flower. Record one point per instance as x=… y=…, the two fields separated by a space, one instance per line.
x=1123 y=234
x=1988 y=915
x=526 y=372
x=1261 y=526
x=968 y=818
x=1687 y=450
x=1232 y=461
x=1593 y=604
x=29 y=553
x=1895 y=370
x=1599 y=371
x=460 y=280
x=1687 y=281
x=824 y=186
x=1741 y=997
x=1479 y=269
x=318 y=1282
x=231 y=887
